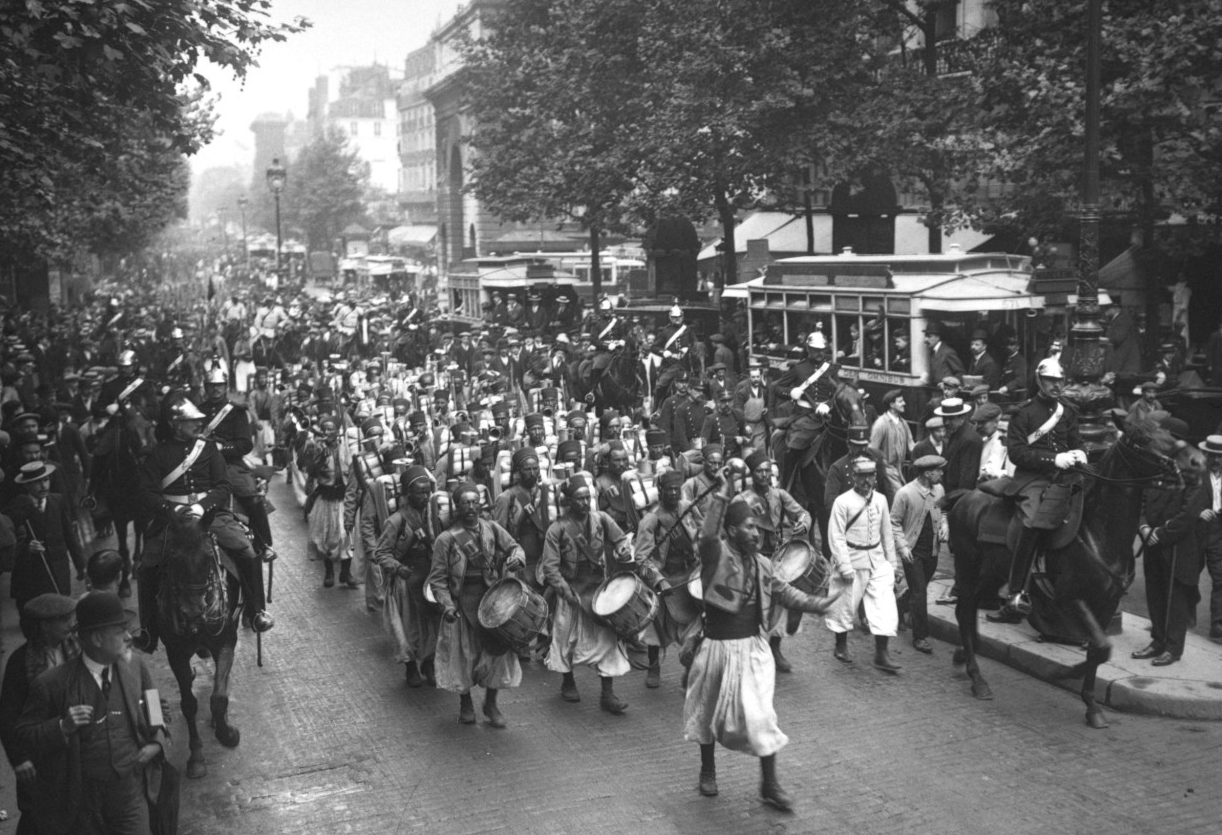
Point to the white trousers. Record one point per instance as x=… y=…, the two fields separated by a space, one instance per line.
x=876 y=588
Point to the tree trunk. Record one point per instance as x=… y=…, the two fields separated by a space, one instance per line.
x=725 y=213
x=929 y=59
x=1149 y=263
x=596 y=273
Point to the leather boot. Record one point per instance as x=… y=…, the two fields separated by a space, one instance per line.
x=1018 y=604
x=841 y=652
x=653 y=677
x=882 y=658
x=412 y=672
x=328 y=579
x=609 y=701
x=346 y=579
x=466 y=709
x=568 y=689
x=770 y=787
x=782 y=663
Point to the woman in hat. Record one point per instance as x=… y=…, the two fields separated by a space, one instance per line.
x=732 y=676
x=405 y=552
x=48 y=623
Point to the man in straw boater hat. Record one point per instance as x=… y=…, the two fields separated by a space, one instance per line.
x=89 y=771
x=1043 y=443
x=733 y=675
x=405 y=554
x=468 y=559
x=47 y=544
x=582 y=548
x=866 y=565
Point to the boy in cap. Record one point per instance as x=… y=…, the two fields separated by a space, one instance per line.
x=919 y=528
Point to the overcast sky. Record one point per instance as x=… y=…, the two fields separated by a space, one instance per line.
x=345 y=33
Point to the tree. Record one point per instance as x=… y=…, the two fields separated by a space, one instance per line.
x=76 y=75
x=325 y=189
x=626 y=110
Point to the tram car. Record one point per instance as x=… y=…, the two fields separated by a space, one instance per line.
x=546 y=293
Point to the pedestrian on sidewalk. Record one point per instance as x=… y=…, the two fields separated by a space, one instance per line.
x=733 y=672
x=1211 y=533
x=1173 y=556
x=920 y=529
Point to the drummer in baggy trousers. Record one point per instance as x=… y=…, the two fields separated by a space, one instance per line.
x=582 y=548
x=467 y=559
x=733 y=674
x=774 y=508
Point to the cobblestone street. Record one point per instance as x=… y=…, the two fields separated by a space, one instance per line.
x=333 y=741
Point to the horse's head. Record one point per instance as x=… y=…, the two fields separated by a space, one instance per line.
x=194 y=585
x=1149 y=450
x=848 y=405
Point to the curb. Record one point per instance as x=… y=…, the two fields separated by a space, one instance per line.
x=1188 y=689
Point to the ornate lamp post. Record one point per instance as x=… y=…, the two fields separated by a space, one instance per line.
x=1086 y=337
x=276 y=177
x=242 y=201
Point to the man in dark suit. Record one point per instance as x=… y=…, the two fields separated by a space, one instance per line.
x=963 y=445
x=943 y=360
x=47 y=543
x=86 y=726
x=982 y=362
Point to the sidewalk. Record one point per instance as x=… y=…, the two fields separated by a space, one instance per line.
x=1188 y=689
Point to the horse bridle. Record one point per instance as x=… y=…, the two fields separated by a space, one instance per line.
x=1132 y=453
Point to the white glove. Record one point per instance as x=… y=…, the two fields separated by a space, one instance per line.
x=196 y=511
x=796 y=394
x=1065 y=460
x=823 y=410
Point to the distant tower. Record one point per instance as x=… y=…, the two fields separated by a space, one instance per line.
x=269 y=130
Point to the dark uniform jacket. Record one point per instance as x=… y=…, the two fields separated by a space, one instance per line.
x=206 y=479
x=234 y=438
x=1036 y=459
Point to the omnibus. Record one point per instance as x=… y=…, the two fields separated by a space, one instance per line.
x=618 y=273
x=475 y=280
x=863 y=303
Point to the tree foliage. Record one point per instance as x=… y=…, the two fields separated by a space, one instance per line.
x=325 y=189
x=112 y=88
x=1160 y=143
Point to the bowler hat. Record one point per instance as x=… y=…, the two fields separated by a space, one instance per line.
x=100 y=609
x=1176 y=427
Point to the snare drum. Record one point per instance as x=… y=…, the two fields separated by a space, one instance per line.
x=514 y=611
x=798 y=563
x=625 y=604
x=682 y=602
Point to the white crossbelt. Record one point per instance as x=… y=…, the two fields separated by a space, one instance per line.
x=1047 y=425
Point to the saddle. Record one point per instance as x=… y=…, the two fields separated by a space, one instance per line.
x=1060 y=513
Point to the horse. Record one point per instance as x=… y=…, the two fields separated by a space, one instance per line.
x=616 y=383
x=1080 y=584
x=197 y=608
x=115 y=479
x=804 y=471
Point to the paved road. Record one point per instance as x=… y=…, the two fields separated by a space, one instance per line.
x=333 y=741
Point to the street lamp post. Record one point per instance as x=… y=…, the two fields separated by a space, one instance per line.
x=242 y=201
x=276 y=176
x=1088 y=348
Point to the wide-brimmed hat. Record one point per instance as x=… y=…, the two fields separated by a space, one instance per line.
x=1212 y=445
x=34 y=471
x=952 y=407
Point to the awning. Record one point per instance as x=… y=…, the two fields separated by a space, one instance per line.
x=1122 y=275
x=420 y=234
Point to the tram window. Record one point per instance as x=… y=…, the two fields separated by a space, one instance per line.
x=848 y=340
x=899 y=304
x=802 y=324
x=899 y=348
x=848 y=303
